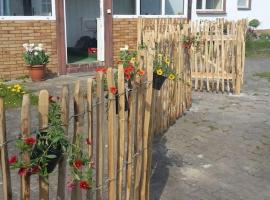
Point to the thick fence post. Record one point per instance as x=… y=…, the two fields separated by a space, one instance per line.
x=43 y=108
x=7 y=192
x=63 y=162
x=25 y=130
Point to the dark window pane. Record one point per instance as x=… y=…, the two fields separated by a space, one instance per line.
x=26 y=7
x=150 y=7
x=124 y=7
x=214 y=4
x=199 y=4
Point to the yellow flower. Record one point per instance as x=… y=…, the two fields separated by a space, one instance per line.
x=160 y=56
x=171 y=77
x=13 y=90
x=159 y=72
x=9 y=87
x=133 y=60
x=167 y=61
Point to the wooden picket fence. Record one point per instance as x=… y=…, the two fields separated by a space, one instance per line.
x=217 y=63
x=122 y=142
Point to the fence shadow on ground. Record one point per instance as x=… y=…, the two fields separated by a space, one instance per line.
x=162 y=160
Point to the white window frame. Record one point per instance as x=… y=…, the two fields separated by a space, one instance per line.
x=52 y=17
x=138 y=12
x=248 y=7
x=203 y=9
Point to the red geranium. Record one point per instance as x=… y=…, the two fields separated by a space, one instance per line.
x=101 y=69
x=129 y=69
x=77 y=164
x=127 y=76
x=113 y=90
x=84 y=185
x=141 y=72
x=12 y=160
x=30 y=141
x=22 y=171
x=35 y=169
x=88 y=141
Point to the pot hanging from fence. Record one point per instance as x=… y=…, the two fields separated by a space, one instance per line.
x=158 y=81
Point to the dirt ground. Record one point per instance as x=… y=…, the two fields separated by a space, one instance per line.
x=218 y=151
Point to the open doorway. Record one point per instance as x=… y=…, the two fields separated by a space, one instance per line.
x=82 y=17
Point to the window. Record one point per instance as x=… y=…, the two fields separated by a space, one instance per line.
x=23 y=8
x=211 y=5
x=244 y=4
x=174 y=7
x=148 y=7
x=124 y=7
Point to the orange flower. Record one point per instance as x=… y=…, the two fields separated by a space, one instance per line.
x=141 y=72
x=127 y=76
x=129 y=69
x=113 y=90
x=101 y=69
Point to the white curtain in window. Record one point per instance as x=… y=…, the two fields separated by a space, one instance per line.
x=214 y=4
x=124 y=7
x=150 y=7
x=174 y=7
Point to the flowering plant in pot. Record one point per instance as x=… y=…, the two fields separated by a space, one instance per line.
x=190 y=40
x=45 y=148
x=36 y=58
x=162 y=70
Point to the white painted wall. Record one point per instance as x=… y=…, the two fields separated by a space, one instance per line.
x=259 y=10
x=79 y=14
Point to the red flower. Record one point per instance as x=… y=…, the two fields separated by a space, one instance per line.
x=84 y=185
x=128 y=69
x=101 y=69
x=77 y=164
x=113 y=90
x=30 y=141
x=22 y=171
x=35 y=169
x=88 y=141
x=127 y=76
x=12 y=160
x=141 y=72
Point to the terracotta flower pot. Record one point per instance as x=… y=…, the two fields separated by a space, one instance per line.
x=37 y=72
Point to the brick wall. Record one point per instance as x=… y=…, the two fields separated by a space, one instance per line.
x=13 y=34
x=124 y=33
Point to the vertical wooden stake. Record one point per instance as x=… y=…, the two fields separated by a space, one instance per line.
x=43 y=108
x=7 y=192
x=62 y=162
x=100 y=136
x=78 y=129
x=121 y=136
x=90 y=126
x=25 y=130
x=111 y=135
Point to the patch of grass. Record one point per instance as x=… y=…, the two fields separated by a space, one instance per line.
x=257 y=47
x=265 y=75
x=13 y=95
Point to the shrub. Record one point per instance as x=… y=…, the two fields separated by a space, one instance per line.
x=254 y=23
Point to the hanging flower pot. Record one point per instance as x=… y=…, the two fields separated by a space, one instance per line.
x=54 y=153
x=158 y=81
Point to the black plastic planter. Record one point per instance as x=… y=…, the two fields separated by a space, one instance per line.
x=117 y=104
x=158 y=81
x=52 y=162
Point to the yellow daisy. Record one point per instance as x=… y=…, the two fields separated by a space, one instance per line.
x=13 y=90
x=159 y=72
x=167 y=61
x=171 y=77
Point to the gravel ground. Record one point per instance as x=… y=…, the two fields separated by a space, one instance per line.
x=218 y=151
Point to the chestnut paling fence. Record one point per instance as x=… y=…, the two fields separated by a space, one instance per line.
x=216 y=56
x=121 y=141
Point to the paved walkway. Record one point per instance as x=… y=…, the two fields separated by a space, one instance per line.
x=220 y=149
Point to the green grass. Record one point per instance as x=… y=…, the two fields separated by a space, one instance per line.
x=13 y=95
x=265 y=75
x=257 y=48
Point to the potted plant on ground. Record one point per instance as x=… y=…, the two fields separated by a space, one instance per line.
x=162 y=71
x=36 y=58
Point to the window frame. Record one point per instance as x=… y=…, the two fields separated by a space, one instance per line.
x=245 y=8
x=28 y=18
x=203 y=10
x=138 y=12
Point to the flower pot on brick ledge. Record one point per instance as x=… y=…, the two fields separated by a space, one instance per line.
x=37 y=72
